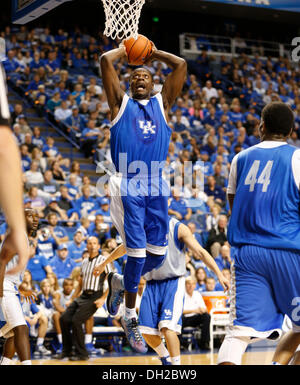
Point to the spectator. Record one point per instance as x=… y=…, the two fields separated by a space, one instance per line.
x=213 y=217
x=61 y=300
x=49 y=185
x=61 y=264
x=58 y=173
x=46 y=244
x=37 y=202
x=38 y=267
x=58 y=233
x=209 y=91
x=212 y=189
x=179 y=207
x=195 y=312
x=224 y=259
x=201 y=279
x=62 y=112
x=77 y=246
x=37 y=323
x=27 y=278
x=86 y=204
x=210 y=284
x=33 y=176
x=217 y=236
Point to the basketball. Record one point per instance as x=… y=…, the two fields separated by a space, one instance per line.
x=139 y=50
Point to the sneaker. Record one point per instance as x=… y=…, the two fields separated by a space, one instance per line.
x=115 y=294
x=59 y=349
x=134 y=335
x=165 y=360
x=91 y=349
x=41 y=350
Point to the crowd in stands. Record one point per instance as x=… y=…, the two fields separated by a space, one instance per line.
x=216 y=116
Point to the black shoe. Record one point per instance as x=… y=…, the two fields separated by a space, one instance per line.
x=78 y=358
x=62 y=355
x=204 y=346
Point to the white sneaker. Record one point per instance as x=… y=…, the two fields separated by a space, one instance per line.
x=40 y=349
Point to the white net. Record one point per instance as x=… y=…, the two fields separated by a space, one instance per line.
x=122 y=18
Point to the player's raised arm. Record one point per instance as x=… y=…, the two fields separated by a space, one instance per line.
x=110 y=79
x=175 y=80
x=11 y=186
x=185 y=235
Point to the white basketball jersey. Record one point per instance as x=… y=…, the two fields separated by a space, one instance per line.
x=12 y=281
x=174 y=263
x=64 y=299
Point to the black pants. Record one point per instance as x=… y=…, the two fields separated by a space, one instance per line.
x=72 y=320
x=201 y=320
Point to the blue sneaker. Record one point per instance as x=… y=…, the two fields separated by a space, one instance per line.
x=134 y=335
x=59 y=349
x=115 y=294
x=165 y=360
x=91 y=349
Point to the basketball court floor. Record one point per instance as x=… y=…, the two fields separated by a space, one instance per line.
x=255 y=355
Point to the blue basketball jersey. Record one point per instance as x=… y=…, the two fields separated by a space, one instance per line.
x=140 y=131
x=266 y=204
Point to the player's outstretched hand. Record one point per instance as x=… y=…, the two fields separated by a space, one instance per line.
x=16 y=243
x=224 y=282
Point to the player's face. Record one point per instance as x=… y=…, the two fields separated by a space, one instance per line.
x=141 y=84
x=32 y=219
x=68 y=287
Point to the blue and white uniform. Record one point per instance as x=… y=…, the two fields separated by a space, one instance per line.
x=163 y=297
x=264 y=231
x=139 y=197
x=11 y=313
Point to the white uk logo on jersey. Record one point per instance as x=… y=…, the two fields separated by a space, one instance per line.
x=168 y=312
x=147 y=126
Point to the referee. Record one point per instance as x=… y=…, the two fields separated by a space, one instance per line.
x=11 y=185
x=83 y=306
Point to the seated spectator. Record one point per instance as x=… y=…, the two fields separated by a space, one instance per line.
x=86 y=181
x=46 y=244
x=75 y=169
x=58 y=173
x=210 y=284
x=86 y=204
x=37 y=155
x=213 y=217
x=75 y=123
x=61 y=264
x=25 y=157
x=209 y=91
x=99 y=228
x=17 y=111
x=73 y=189
x=33 y=176
x=49 y=185
x=212 y=189
x=201 y=279
x=294 y=140
x=27 y=278
x=38 y=266
x=45 y=302
x=37 y=139
x=64 y=201
x=57 y=232
x=53 y=207
x=62 y=112
x=37 y=202
x=195 y=312
x=217 y=237
x=37 y=323
x=61 y=300
x=90 y=134
x=54 y=102
x=178 y=207
x=196 y=234
x=54 y=285
x=77 y=246
x=224 y=259
x=104 y=210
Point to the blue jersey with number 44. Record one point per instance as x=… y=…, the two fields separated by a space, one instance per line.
x=266 y=204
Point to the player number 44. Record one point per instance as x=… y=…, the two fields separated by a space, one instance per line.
x=264 y=177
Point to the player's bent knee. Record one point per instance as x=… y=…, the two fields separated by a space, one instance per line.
x=232 y=350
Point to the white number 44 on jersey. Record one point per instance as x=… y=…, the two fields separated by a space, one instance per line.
x=264 y=177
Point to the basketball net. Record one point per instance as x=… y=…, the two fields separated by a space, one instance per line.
x=122 y=18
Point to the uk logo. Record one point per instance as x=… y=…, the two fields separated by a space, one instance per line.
x=147 y=127
x=168 y=313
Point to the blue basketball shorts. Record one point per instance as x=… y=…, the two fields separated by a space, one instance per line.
x=141 y=220
x=265 y=287
x=162 y=305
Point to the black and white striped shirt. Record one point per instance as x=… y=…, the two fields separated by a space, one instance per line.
x=89 y=281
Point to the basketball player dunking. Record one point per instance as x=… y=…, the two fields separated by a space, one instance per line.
x=264 y=230
x=140 y=132
x=12 y=320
